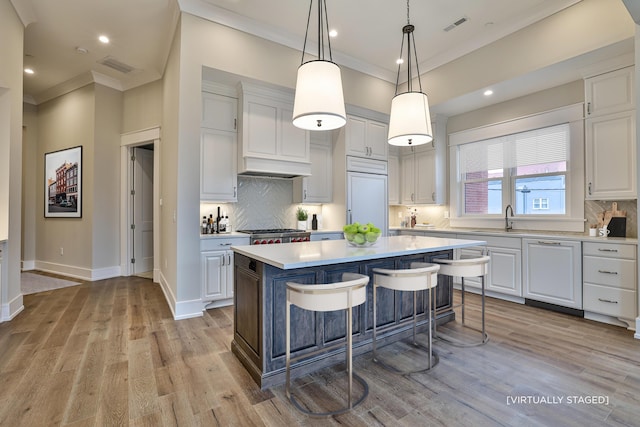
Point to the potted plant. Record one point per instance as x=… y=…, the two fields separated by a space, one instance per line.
x=302 y=216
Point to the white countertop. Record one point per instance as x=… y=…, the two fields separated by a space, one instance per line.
x=523 y=234
x=310 y=254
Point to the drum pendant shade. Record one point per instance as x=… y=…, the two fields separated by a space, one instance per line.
x=319 y=102
x=410 y=122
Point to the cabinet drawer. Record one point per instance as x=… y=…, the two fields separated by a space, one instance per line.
x=620 y=273
x=221 y=243
x=610 y=301
x=612 y=250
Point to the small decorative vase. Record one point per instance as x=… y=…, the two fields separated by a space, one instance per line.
x=302 y=225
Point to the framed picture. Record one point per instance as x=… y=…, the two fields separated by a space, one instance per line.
x=63 y=183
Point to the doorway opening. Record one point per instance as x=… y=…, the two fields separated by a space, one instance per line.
x=140 y=203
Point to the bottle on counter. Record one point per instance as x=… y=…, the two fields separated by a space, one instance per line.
x=314 y=222
x=204 y=226
x=212 y=224
x=223 y=224
x=227 y=224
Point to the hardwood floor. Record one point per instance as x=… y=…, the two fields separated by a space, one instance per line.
x=109 y=353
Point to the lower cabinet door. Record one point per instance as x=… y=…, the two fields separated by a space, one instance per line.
x=552 y=272
x=214 y=277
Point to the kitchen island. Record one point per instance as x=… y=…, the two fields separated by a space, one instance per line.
x=261 y=273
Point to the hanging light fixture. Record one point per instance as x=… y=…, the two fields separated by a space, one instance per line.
x=410 y=122
x=319 y=103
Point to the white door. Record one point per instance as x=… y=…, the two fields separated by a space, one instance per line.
x=367 y=199
x=142 y=199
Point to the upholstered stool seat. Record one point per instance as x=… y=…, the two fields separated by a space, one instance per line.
x=467 y=267
x=421 y=276
x=345 y=295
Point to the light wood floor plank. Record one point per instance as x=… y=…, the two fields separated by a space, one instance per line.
x=109 y=353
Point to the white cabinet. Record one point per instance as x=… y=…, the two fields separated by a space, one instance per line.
x=218 y=149
x=216 y=264
x=219 y=112
x=610 y=136
x=505 y=266
x=609 y=276
x=393 y=170
x=367 y=199
x=217 y=268
x=610 y=156
x=552 y=272
x=269 y=143
x=218 y=166
x=418 y=178
x=317 y=188
x=366 y=138
x=610 y=92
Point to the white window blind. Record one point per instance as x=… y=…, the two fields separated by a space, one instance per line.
x=539 y=146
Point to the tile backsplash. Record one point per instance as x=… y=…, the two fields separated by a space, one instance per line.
x=262 y=203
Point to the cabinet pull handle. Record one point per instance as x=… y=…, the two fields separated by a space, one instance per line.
x=305 y=195
x=542 y=242
x=588 y=108
x=589 y=188
x=349 y=215
x=235 y=192
x=223 y=264
x=607 y=300
x=325 y=238
x=235 y=123
x=607 y=272
x=229 y=258
x=225 y=244
x=607 y=250
x=433 y=196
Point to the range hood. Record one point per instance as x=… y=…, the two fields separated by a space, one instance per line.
x=268 y=143
x=257 y=166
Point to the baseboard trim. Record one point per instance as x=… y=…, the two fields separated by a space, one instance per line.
x=82 y=273
x=28 y=265
x=11 y=309
x=180 y=309
x=616 y=321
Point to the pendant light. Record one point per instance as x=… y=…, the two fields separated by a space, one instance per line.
x=319 y=103
x=410 y=122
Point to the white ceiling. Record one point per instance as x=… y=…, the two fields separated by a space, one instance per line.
x=369 y=33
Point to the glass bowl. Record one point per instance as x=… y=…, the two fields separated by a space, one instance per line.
x=360 y=240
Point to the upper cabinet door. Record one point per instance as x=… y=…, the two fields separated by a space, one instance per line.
x=261 y=128
x=377 y=139
x=218 y=166
x=294 y=143
x=366 y=138
x=219 y=112
x=610 y=92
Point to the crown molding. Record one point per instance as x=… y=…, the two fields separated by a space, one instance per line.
x=25 y=11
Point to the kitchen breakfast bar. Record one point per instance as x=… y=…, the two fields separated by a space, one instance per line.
x=262 y=271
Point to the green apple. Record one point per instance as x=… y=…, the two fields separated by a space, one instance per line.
x=359 y=239
x=371 y=236
x=364 y=229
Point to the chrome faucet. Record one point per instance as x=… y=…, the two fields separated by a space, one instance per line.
x=508 y=225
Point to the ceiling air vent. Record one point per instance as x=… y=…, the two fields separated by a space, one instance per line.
x=116 y=65
x=456 y=24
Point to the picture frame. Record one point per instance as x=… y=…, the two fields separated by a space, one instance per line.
x=63 y=183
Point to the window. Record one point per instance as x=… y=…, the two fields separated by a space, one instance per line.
x=541 y=203
x=516 y=169
x=532 y=163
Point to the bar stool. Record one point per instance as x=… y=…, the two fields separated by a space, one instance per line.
x=345 y=295
x=466 y=266
x=421 y=276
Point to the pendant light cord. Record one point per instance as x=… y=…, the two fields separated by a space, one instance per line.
x=408 y=30
x=322 y=31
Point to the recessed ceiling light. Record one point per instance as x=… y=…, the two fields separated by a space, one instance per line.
x=29 y=71
x=488 y=92
x=104 y=39
x=333 y=33
x=399 y=61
